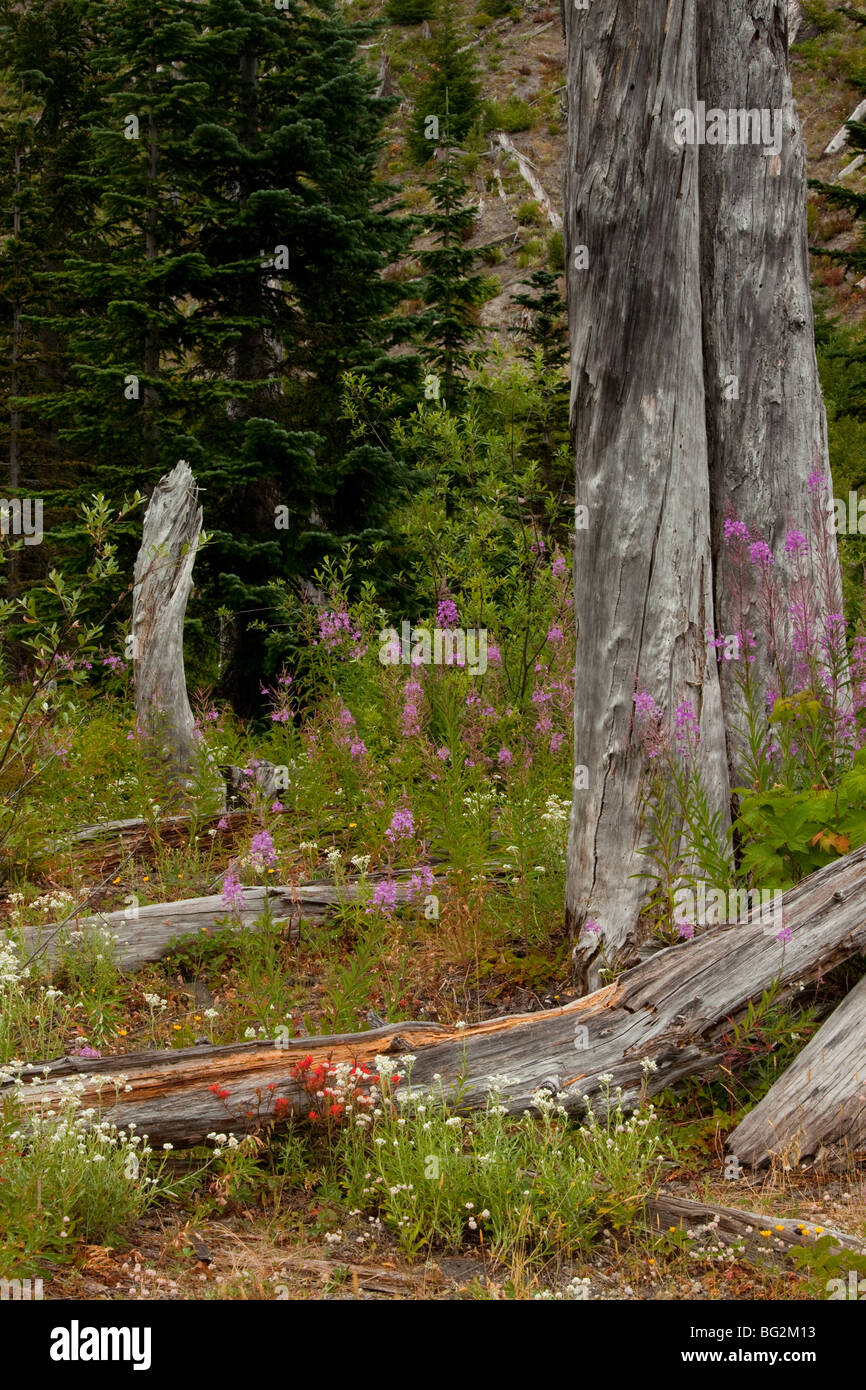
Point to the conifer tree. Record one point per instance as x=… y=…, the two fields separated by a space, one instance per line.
x=447 y=327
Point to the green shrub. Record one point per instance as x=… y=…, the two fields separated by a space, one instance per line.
x=511 y=115
x=407 y=11
x=529 y=214
x=556 y=252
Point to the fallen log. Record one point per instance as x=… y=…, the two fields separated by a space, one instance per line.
x=143 y=934
x=659 y=1022
x=733 y=1225
x=822 y=1093
x=843 y=135
x=528 y=174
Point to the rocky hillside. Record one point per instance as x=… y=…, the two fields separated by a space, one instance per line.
x=514 y=163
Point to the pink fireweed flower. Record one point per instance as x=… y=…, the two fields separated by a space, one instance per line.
x=410 y=724
x=556 y=742
x=494 y=656
x=817 y=481
x=262 y=853
x=402 y=824
x=593 y=928
x=447 y=615
x=558 y=567
x=760 y=554
x=504 y=758
x=555 y=634
x=277 y=806
x=784 y=935
x=735 y=530
x=233 y=893
x=443 y=754
x=796 y=543
x=358 y=748
x=687 y=730
x=686 y=930
x=420 y=883
x=384 y=898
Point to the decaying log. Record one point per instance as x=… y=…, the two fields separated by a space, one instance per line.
x=671 y=1011
x=852 y=167
x=143 y=934
x=528 y=174
x=732 y=1224
x=163 y=580
x=822 y=1093
x=843 y=135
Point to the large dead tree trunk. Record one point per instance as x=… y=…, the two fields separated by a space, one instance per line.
x=634 y=293
x=163 y=580
x=694 y=380
x=672 y=1011
x=766 y=425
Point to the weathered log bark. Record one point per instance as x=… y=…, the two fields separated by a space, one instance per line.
x=822 y=1093
x=672 y=1010
x=766 y=426
x=163 y=580
x=142 y=935
x=732 y=1224
x=639 y=429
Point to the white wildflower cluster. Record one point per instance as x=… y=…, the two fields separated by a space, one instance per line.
x=224 y=1141
x=11 y=970
x=58 y=901
x=309 y=847
x=334 y=857
x=557 y=811
x=155 y=1002
x=576 y=1289
x=361 y=862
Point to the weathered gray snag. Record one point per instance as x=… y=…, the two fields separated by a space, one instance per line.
x=766 y=426
x=694 y=381
x=642 y=568
x=672 y=1010
x=163 y=580
x=821 y=1094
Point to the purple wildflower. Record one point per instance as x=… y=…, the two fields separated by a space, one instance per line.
x=262 y=852
x=233 y=893
x=760 y=553
x=402 y=824
x=735 y=529
x=795 y=543
x=384 y=897
x=447 y=615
